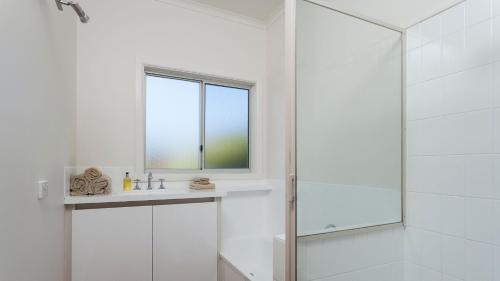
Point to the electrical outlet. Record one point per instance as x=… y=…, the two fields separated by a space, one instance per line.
x=43 y=189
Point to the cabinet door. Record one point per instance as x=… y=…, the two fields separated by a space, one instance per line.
x=185 y=242
x=112 y=244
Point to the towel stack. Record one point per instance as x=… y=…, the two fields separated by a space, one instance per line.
x=91 y=182
x=202 y=183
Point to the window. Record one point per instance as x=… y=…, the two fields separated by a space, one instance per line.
x=194 y=124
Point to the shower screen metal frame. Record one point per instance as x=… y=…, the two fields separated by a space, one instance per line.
x=291 y=133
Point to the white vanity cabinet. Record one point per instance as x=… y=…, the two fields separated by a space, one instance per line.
x=185 y=242
x=112 y=244
x=174 y=242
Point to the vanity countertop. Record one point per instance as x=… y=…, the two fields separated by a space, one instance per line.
x=137 y=196
x=176 y=193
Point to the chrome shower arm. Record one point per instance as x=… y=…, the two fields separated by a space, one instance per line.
x=60 y=4
x=84 y=18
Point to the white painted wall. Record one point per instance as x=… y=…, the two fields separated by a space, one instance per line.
x=453 y=163
x=124 y=33
x=38 y=90
x=276 y=117
x=276 y=102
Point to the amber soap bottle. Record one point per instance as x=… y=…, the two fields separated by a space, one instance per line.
x=127 y=182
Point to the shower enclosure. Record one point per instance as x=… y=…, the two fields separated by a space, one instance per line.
x=346 y=130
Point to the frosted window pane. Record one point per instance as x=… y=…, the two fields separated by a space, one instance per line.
x=226 y=128
x=172 y=123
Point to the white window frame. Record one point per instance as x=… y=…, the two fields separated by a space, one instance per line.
x=255 y=129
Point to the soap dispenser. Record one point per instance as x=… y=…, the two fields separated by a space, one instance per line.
x=127 y=183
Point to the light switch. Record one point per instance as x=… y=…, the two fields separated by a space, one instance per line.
x=43 y=189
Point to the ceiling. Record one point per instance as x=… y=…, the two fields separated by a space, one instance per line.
x=400 y=13
x=257 y=9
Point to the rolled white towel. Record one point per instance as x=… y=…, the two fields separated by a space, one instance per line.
x=101 y=185
x=92 y=174
x=79 y=186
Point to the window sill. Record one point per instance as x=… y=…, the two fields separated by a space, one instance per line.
x=236 y=176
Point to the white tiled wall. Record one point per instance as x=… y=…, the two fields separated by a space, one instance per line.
x=374 y=256
x=371 y=256
x=453 y=107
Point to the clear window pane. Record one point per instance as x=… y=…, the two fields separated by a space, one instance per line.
x=172 y=123
x=226 y=128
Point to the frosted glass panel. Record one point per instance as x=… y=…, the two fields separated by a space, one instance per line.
x=172 y=123
x=349 y=138
x=226 y=128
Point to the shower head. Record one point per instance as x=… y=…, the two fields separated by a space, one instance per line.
x=84 y=18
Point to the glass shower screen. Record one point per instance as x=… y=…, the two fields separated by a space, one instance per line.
x=349 y=121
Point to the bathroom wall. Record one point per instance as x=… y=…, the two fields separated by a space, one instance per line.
x=168 y=33
x=180 y=35
x=276 y=113
x=276 y=102
x=345 y=207
x=37 y=124
x=368 y=256
x=453 y=183
x=251 y=219
x=348 y=100
x=327 y=48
